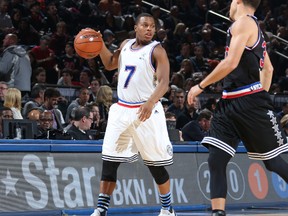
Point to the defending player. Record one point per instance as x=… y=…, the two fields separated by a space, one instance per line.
x=137 y=122
x=245 y=110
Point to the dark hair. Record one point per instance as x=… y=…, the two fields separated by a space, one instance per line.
x=80 y=112
x=87 y=71
x=143 y=15
x=68 y=71
x=3 y=109
x=83 y=89
x=70 y=43
x=204 y=114
x=180 y=90
x=253 y=3
x=39 y=70
x=169 y=115
x=51 y=92
x=36 y=90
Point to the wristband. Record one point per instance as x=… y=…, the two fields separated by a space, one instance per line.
x=200 y=87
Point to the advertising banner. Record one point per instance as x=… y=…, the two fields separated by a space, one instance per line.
x=32 y=181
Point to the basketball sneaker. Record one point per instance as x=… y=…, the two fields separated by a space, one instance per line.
x=170 y=212
x=98 y=213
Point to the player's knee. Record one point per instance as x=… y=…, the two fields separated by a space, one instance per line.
x=218 y=159
x=109 y=171
x=159 y=174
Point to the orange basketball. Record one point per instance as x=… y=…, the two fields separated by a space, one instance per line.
x=87 y=44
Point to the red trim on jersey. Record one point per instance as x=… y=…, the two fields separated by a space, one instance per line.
x=128 y=106
x=241 y=94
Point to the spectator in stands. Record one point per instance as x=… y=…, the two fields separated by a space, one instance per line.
x=3 y=91
x=45 y=124
x=52 y=17
x=6 y=24
x=45 y=58
x=82 y=100
x=178 y=34
x=94 y=66
x=59 y=39
x=188 y=114
x=39 y=76
x=69 y=60
x=174 y=133
x=112 y=6
x=66 y=78
x=94 y=88
x=184 y=53
x=26 y=33
x=85 y=78
x=128 y=24
x=186 y=69
x=199 y=11
x=156 y=13
x=284 y=110
x=189 y=82
x=199 y=63
x=5 y=113
x=210 y=104
x=34 y=114
x=51 y=96
x=13 y=101
x=104 y=101
x=96 y=125
x=109 y=39
x=82 y=122
x=178 y=80
x=206 y=42
x=195 y=130
x=178 y=102
x=114 y=81
x=37 y=17
x=172 y=18
x=16 y=16
x=15 y=67
x=37 y=99
x=161 y=35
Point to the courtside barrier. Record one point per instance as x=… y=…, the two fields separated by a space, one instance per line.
x=60 y=176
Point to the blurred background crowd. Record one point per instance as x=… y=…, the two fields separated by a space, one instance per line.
x=44 y=80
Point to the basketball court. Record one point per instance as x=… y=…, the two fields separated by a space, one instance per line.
x=249 y=211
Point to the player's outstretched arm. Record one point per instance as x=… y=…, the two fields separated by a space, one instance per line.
x=241 y=32
x=266 y=73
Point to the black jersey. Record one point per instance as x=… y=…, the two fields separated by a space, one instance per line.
x=251 y=62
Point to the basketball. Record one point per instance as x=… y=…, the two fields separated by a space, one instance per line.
x=87 y=44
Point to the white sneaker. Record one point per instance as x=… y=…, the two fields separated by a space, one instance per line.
x=164 y=212
x=98 y=213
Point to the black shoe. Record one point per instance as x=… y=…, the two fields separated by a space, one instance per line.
x=218 y=213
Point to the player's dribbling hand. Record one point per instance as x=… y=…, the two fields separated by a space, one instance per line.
x=145 y=111
x=193 y=92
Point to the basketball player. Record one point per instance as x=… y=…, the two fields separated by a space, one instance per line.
x=245 y=110
x=137 y=122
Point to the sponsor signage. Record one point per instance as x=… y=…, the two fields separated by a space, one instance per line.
x=32 y=181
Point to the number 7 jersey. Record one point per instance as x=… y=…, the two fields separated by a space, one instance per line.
x=137 y=79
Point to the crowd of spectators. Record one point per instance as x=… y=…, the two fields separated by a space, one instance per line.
x=45 y=30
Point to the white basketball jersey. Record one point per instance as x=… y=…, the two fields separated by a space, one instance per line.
x=136 y=79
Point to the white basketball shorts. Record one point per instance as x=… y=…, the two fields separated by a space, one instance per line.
x=126 y=136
